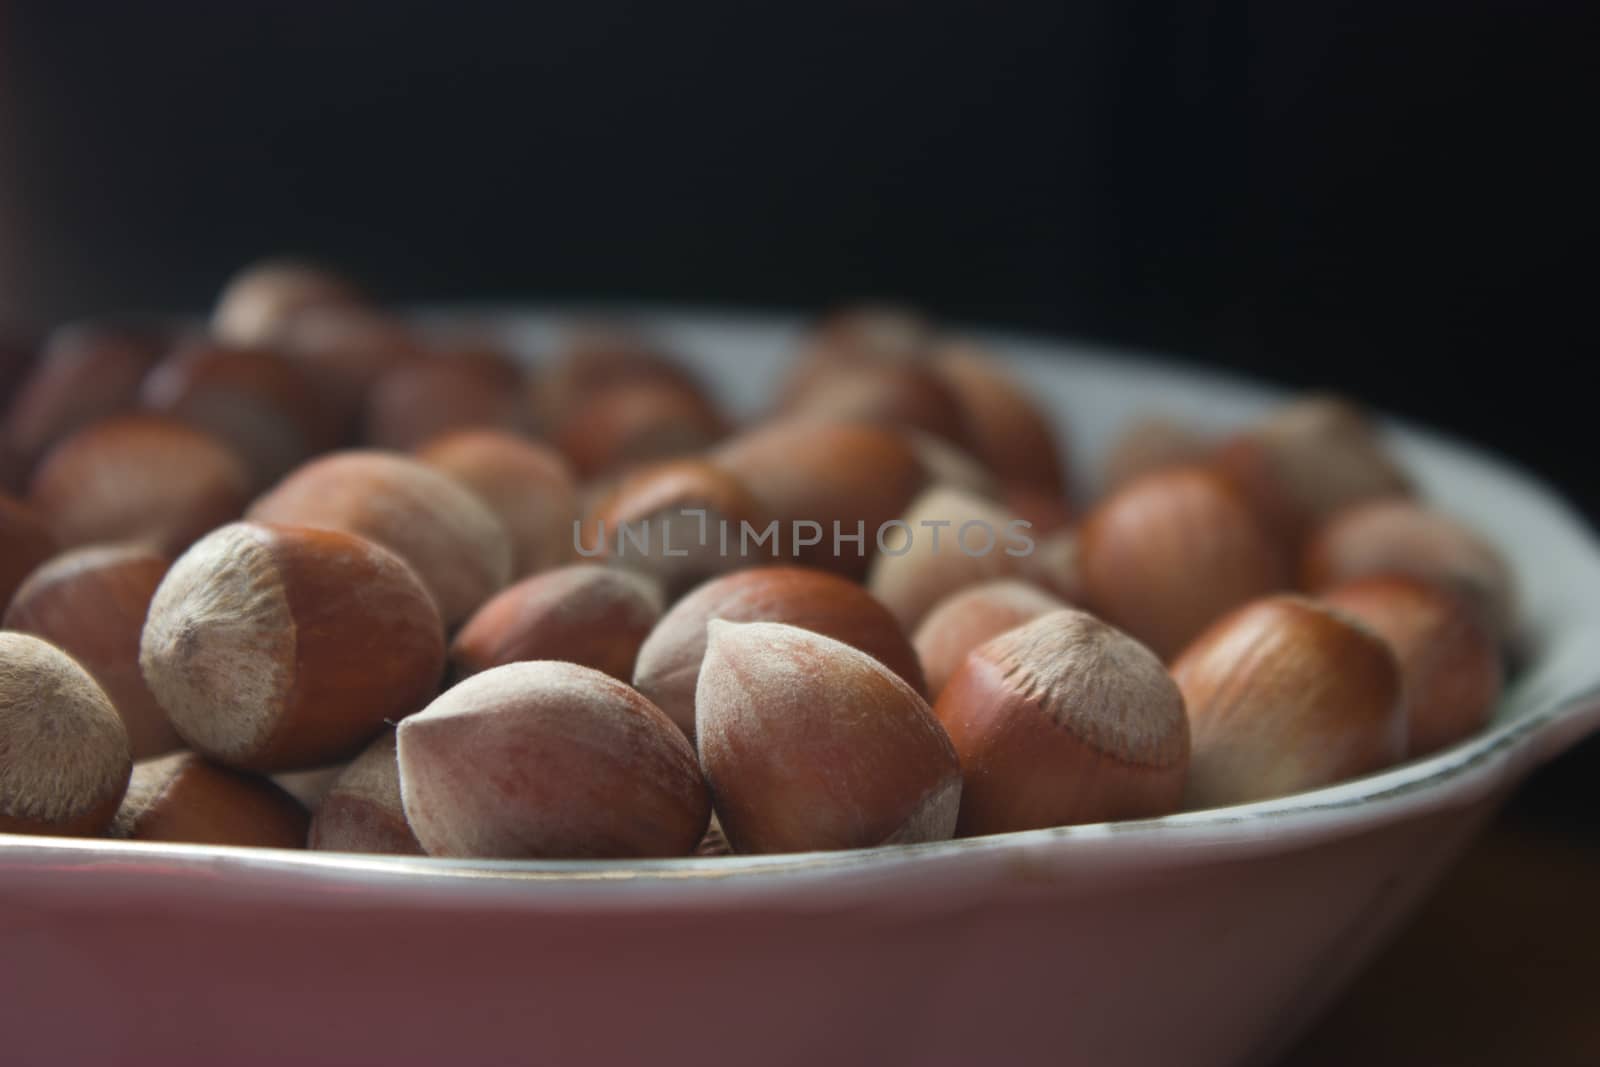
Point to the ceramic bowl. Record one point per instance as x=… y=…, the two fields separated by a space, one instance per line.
x=1212 y=937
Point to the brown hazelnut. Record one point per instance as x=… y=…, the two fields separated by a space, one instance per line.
x=549 y=760
x=1152 y=443
x=583 y=613
x=66 y=760
x=968 y=617
x=811 y=744
x=634 y=423
x=594 y=357
x=1404 y=537
x=25 y=543
x=1064 y=720
x=91 y=603
x=363 y=811
x=457 y=546
x=906 y=395
x=261 y=404
x=946 y=541
x=668 y=667
x=1285 y=694
x=1170 y=552
x=848 y=479
x=429 y=396
x=528 y=486
x=139 y=479
x=1310 y=459
x=1007 y=431
x=86 y=373
x=678 y=521
x=258 y=301
x=1449 y=661
x=281 y=648
x=181 y=797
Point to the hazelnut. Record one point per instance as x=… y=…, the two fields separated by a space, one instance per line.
x=595 y=357
x=549 y=760
x=66 y=760
x=907 y=395
x=1308 y=460
x=459 y=549
x=1171 y=551
x=363 y=811
x=261 y=404
x=678 y=521
x=91 y=603
x=181 y=797
x=1064 y=720
x=1449 y=662
x=948 y=540
x=25 y=543
x=263 y=297
x=968 y=617
x=1285 y=694
x=584 y=613
x=811 y=744
x=344 y=350
x=428 y=396
x=1152 y=443
x=1008 y=432
x=1403 y=537
x=668 y=667
x=637 y=422
x=279 y=648
x=866 y=335
x=528 y=486
x=140 y=479
x=85 y=373
x=848 y=479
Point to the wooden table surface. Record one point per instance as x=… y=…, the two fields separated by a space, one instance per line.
x=1501 y=966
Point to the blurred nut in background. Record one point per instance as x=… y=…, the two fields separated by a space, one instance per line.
x=91 y=603
x=1402 y=537
x=25 y=542
x=262 y=298
x=529 y=486
x=139 y=479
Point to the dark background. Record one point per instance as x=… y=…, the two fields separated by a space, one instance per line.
x=1386 y=197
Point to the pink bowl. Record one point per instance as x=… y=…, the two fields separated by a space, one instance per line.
x=1211 y=937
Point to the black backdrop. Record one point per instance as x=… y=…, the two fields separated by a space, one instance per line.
x=1386 y=197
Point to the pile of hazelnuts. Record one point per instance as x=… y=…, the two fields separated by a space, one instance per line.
x=314 y=576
